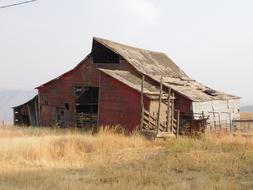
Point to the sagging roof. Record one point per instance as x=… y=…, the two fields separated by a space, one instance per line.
x=157 y=64
x=133 y=82
x=28 y=102
x=154 y=65
x=193 y=90
x=145 y=61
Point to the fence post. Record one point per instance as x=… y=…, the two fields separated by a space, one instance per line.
x=230 y=123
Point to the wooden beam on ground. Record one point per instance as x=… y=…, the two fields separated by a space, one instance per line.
x=165 y=135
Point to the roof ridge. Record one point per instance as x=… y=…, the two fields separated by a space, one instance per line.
x=126 y=45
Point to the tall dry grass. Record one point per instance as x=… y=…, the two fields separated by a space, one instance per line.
x=37 y=158
x=35 y=147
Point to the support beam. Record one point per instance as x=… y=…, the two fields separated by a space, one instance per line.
x=178 y=122
x=36 y=112
x=142 y=101
x=168 y=112
x=30 y=115
x=159 y=106
x=172 y=112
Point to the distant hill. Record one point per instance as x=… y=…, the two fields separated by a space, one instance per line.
x=246 y=109
x=11 y=98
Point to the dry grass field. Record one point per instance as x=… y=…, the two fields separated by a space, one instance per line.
x=36 y=159
x=246 y=115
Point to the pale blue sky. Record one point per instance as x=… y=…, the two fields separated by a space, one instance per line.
x=212 y=41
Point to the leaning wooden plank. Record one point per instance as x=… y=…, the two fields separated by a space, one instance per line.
x=172 y=112
x=178 y=122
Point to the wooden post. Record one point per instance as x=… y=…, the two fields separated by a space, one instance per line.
x=230 y=122
x=39 y=109
x=142 y=102
x=159 y=106
x=172 y=112
x=168 y=112
x=219 y=120
x=36 y=112
x=30 y=115
x=202 y=122
x=214 y=121
x=178 y=121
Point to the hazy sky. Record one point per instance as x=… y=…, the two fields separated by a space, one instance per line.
x=211 y=40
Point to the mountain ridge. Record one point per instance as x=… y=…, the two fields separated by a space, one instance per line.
x=248 y=108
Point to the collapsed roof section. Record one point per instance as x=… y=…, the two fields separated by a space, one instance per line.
x=194 y=90
x=157 y=64
x=153 y=65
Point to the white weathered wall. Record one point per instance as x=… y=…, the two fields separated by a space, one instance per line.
x=220 y=106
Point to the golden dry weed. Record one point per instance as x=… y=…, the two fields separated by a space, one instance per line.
x=41 y=158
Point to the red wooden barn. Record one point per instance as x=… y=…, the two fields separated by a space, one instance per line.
x=105 y=89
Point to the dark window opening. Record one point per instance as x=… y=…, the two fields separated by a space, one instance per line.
x=46 y=102
x=101 y=54
x=78 y=90
x=89 y=96
x=88 y=109
x=66 y=106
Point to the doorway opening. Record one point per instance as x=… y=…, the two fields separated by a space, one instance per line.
x=87 y=108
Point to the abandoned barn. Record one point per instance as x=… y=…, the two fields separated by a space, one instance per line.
x=118 y=84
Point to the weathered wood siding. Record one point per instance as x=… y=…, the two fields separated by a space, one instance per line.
x=119 y=104
x=219 y=106
x=153 y=109
x=55 y=94
x=183 y=104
